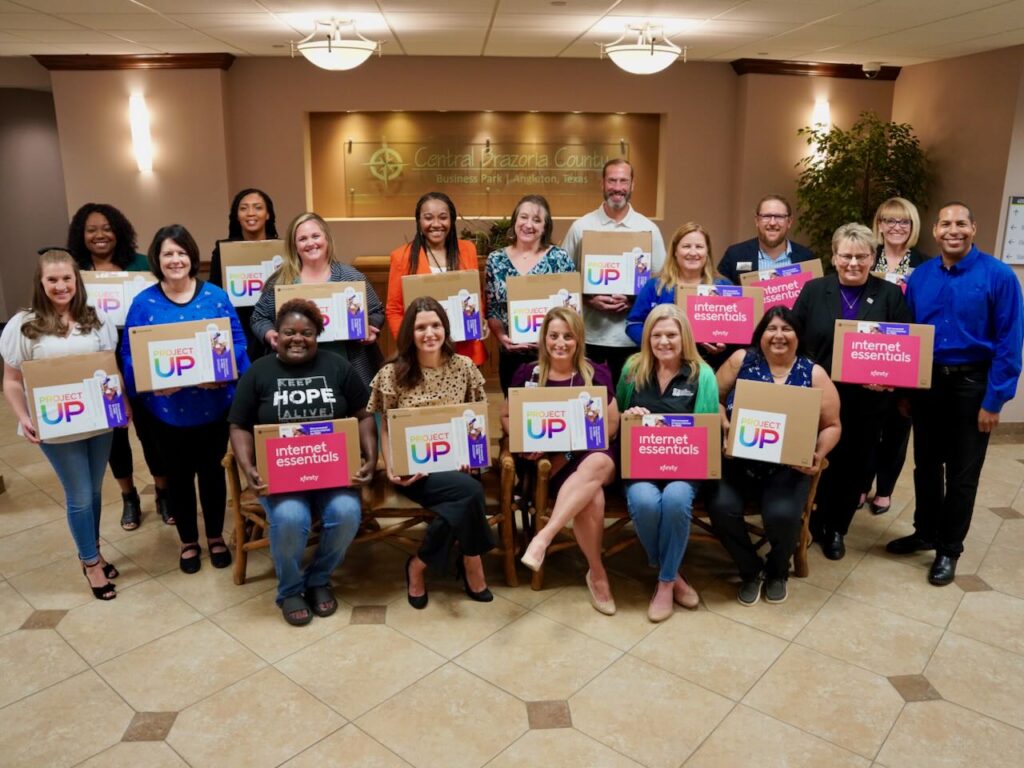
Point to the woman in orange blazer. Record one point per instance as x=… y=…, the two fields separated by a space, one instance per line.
x=435 y=248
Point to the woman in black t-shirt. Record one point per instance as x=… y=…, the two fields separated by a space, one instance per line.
x=301 y=384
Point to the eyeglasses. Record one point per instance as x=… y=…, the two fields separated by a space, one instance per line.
x=896 y=222
x=850 y=258
x=773 y=216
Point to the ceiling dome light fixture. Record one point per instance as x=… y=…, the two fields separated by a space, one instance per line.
x=333 y=52
x=652 y=51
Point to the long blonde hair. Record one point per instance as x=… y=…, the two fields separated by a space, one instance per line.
x=44 y=320
x=579 y=362
x=291 y=266
x=671 y=275
x=641 y=367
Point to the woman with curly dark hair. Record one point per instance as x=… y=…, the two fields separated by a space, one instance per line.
x=101 y=239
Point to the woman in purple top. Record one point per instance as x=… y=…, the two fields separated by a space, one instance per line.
x=577 y=478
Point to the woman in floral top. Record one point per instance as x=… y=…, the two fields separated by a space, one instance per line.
x=530 y=252
x=427 y=371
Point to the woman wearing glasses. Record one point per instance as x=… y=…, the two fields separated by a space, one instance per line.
x=897 y=226
x=850 y=293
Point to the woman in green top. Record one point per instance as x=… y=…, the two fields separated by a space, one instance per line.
x=101 y=239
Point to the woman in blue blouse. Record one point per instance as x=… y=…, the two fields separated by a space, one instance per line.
x=189 y=423
x=691 y=264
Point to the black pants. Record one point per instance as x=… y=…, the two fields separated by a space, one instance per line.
x=191 y=453
x=508 y=364
x=886 y=463
x=860 y=413
x=121 y=462
x=614 y=357
x=457 y=501
x=781 y=494
x=949 y=453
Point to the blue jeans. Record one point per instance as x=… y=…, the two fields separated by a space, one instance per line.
x=80 y=466
x=661 y=514
x=291 y=516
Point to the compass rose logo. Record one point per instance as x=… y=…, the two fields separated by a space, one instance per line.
x=386 y=165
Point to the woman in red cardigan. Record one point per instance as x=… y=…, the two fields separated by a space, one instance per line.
x=435 y=248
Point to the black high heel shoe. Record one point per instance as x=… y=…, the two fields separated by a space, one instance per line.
x=483 y=596
x=418 y=602
x=105 y=592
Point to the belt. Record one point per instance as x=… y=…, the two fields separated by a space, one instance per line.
x=951 y=370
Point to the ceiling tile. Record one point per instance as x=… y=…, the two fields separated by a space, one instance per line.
x=778 y=10
x=31 y=49
x=468 y=42
x=34 y=21
x=113 y=48
x=434 y=22
x=72 y=36
x=701 y=9
x=570 y=24
x=510 y=42
x=84 y=6
x=305 y=6
x=227 y=20
x=202 y=6
x=459 y=6
x=122 y=21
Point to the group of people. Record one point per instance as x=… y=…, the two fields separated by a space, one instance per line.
x=640 y=350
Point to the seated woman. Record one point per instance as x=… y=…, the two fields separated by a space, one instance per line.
x=775 y=357
x=577 y=480
x=427 y=371
x=691 y=264
x=666 y=376
x=275 y=391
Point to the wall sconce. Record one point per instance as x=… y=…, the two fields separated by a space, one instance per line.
x=333 y=52
x=142 y=141
x=821 y=117
x=652 y=51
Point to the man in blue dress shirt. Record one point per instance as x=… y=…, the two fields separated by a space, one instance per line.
x=974 y=302
x=772 y=246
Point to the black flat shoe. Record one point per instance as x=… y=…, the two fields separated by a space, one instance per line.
x=908 y=545
x=131 y=511
x=833 y=546
x=221 y=559
x=943 y=570
x=419 y=602
x=190 y=564
x=879 y=509
x=483 y=596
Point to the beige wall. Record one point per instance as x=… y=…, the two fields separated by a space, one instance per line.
x=189 y=182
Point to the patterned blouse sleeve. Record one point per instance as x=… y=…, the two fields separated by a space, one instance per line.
x=476 y=385
x=263 y=313
x=383 y=396
x=492 y=300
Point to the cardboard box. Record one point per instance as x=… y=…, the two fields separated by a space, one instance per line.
x=343 y=300
x=308 y=455
x=782 y=284
x=617 y=261
x=114 y=292
x=671 y=446
x=557 y=419
x=776 y=423
x=182 y=354
x=721 y=314
x=438 y=438
x=245 y=268
x=889 y=354
x=531 y=296
x=458 y=292
x=895 y=278
x=74 y=395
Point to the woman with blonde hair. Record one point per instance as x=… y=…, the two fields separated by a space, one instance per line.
x=577 y=479
x=310 y=258
x=692 y=263
x=665 y=376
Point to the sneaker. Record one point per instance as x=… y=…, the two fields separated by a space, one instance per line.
x=750 y=591
x=775 y=591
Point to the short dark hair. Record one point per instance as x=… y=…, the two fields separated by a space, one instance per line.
x=235 y=227
x=549 y=225
x=183 y=238
x=970 y=213
x=778 y=198
x=303 y=307
x=124 y=234
x=786 y=315
x=616 y=161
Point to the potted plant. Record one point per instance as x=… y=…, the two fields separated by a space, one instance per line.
x=850 y=173
x=487 y=238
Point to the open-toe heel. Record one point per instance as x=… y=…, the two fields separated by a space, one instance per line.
x=104 y=592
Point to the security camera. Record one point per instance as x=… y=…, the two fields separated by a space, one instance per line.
x=871 y=69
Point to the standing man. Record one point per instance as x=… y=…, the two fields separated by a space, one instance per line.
x=605 y=315
x=771 y=247
x=974 y=302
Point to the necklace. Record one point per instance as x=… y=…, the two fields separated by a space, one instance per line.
x=433 y=259
x=850 y=304
x=781 y=376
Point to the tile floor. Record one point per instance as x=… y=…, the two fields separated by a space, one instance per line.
x=866 y=664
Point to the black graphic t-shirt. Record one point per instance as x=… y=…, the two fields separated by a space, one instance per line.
x=270 y=392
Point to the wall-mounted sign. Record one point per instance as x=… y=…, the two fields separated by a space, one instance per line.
x=1013 y=236
x=377 y=164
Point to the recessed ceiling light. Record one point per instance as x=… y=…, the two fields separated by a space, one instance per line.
x=559 y=2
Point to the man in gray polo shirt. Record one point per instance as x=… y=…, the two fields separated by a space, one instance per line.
x=604 y=316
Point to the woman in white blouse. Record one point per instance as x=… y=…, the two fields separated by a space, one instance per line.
x=60 y=323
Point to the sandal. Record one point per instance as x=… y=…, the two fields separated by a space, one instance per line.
x=163 y=507
x=103 y=592
x=295 y=611
x=190 y=564
x=110 y=571
x=317 y=596
x=221 y=556
x=131 y=512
